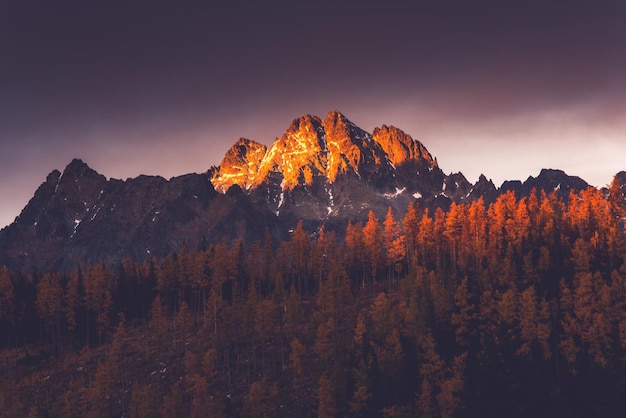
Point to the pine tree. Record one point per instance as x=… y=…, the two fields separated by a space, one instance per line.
x=438 y=234
x=568 y=344
x=98 y=299
x=324 y=341
x=108 y=394
x=361 y=370
x=172 y=405
x=355 y=249
x=48 y=303
x=453 y=228
x=431 y=374
x=534 y=324
x=381 y=316
x=394 y=244
x=372 y=240
x=327 y=407
x=477 y=226
x=463 y=316
x=183 y=325
x=425 y=240
x=262 y=400
x=72 y=299
x=410 y=226
x=7 y=301
x=518 y=225
x=142 y=402
x=300 y=244
x=200 y=396
x=448 y=398
x=295 y=358
x=292 y=309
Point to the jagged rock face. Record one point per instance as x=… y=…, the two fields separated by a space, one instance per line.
x=400 y=147
x=296 y=157
x=484 y=188
x=619 y=182
x=332 y=168
x=320 y=170
x=350 y=149
x=621 y=179
x=549 y=181
x=456 y=187
x=81 y=217
x=314 y=149
x=239 y=166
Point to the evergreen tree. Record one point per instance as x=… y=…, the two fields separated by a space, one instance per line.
x=7 y=301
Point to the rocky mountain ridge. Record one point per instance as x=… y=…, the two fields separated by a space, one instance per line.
x=312 y=148
x=79 y=217
x=323 y=172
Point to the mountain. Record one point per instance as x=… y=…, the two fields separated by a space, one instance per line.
x=331 y=170
x=319 y=171
x=548 y=180
x=239 y=166
x=79 y=216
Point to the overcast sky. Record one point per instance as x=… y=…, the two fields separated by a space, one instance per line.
x=165 y=88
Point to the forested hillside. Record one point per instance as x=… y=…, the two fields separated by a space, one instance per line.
x=517 y=308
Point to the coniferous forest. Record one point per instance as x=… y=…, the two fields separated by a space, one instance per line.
x=511 y=309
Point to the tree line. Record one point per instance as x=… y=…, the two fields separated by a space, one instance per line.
x=514 y=308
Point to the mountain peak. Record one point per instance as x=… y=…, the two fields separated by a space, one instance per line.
x=239 y=166
x=400 y=146
x=303 y=123
x=305 y=133
x=548 y=180
x=298 y=155
x=77 y=169
x=313 y=148
x=349 y=147
x=76 y=165
x=335 y=115
x=54 y=176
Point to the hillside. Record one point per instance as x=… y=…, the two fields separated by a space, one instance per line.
x=514 y=308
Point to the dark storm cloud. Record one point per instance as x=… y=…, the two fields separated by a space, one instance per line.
x=165 y=87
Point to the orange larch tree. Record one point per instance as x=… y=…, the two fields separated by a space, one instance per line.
x=410 y=226
x=49 y=304
x=98 y=299
x=327 y=407
x=452 y=231
x=7 y=299
x=372 y=240
x=355 y=253
x=425 y=241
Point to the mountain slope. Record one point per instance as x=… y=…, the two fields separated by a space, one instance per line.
x=239 y=166
x=81 y=217
x=330 y=169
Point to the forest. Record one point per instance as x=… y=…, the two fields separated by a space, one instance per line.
x=515 y=308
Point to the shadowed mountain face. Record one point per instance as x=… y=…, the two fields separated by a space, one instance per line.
x=81 y=217
x=324 y=172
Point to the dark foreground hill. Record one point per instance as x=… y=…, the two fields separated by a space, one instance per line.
x=509 y=309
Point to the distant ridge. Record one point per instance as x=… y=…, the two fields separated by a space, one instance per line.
x=320 y=171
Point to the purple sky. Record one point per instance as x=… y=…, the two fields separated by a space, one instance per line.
x=165 y=88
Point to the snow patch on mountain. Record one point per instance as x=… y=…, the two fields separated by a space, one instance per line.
x=76 y=223
x=397 y=193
